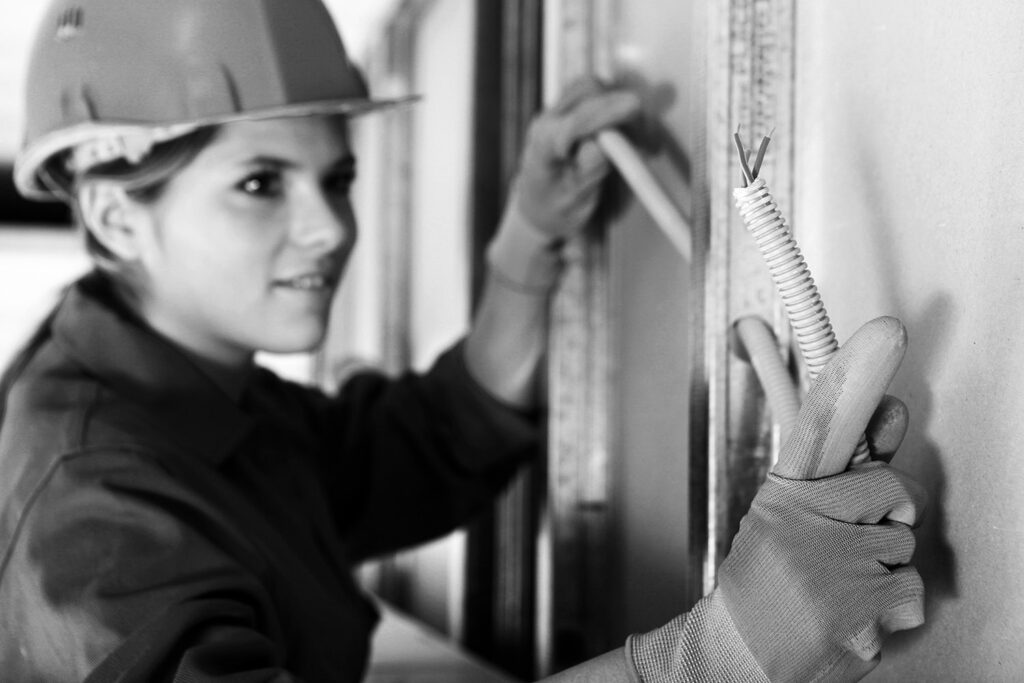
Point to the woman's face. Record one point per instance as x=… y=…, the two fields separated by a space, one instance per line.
x=247 y=243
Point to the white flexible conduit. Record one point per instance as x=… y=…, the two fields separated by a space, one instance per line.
x=799 y=294
x=792 y=278
x=759 y=346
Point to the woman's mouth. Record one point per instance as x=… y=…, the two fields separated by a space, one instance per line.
x=306 y=283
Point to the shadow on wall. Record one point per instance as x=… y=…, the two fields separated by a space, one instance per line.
x=934 y=557
x=650 y=133
x=16 y=209
x=929 y=332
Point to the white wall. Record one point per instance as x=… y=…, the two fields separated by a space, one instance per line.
x=436 y=237
x=360 y=22
x=35 y=265
x=442 y=134
x=909 y=204
x=653 y=330
x=439 y=237
x=18 y=21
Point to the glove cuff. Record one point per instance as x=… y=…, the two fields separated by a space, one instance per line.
x=522 y=257
x=700 y=645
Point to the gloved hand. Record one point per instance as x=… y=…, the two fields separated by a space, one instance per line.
x=559 y=181
x=818 y=573
x=562 y=166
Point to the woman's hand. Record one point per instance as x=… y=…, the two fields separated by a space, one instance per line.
x=562 y=167
x=558 y=186
x=820 y=571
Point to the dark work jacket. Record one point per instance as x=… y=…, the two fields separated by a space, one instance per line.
x=151 y=529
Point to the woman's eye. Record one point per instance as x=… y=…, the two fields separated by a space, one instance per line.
x=264 y=184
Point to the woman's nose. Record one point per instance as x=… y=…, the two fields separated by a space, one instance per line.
x=322 y=222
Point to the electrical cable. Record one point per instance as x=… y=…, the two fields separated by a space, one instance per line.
x=789 y=271
x=757 y=344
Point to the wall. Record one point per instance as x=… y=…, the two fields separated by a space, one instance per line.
x=36 y=263
x=908 y=142
x=406 y=295
x=657 y=47
x=439 y=231
x=17 y=29
x=438 y=235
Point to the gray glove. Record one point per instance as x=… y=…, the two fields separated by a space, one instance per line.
x=559 y=182
x=562 y=167
x=817 y=574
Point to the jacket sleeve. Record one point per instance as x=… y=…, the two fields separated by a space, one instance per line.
x=111 y=579
x=412 y=458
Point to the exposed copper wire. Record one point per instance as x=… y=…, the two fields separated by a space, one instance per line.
x=760 y=153
x=748 y=177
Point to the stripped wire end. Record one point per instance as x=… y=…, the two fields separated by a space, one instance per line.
x=748 y=176
x=760 y=152
x=750 y=172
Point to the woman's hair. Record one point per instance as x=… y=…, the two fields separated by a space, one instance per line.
x=144 y=181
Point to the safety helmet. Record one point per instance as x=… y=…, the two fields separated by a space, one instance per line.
x=108 y=79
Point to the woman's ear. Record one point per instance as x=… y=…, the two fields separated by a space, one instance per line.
x=112 y=217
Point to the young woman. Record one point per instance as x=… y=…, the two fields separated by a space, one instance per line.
x=170 y=511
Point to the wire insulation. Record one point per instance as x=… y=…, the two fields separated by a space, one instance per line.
x=759 y=345
x=789 y=271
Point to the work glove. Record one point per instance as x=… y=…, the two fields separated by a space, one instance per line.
x=818 y=573
x=559 y=182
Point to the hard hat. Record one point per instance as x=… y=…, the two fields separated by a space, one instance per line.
x=115 y=77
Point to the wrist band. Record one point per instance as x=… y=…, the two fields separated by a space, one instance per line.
x=530 y=290
x=522 y=258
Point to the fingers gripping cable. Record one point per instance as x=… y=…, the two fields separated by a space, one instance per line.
x=818 y=573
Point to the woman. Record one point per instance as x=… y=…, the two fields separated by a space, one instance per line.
x=169 y=511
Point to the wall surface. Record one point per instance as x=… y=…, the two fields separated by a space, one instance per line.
x=656 y=47
x=37 y=264
x=17 y=29
x=442 y=132
x=438 y=243
x=908 y=204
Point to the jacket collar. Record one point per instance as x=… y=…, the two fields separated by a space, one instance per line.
x=145 y=368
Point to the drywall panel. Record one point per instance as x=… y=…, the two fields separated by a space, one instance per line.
x=909 y=204
x=18 y=28
x=657 y=50
x=442 y=133
x=35 y=266
x=439 y=258
x=406 y=295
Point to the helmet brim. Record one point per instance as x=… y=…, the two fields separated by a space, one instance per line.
x=31 y=163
